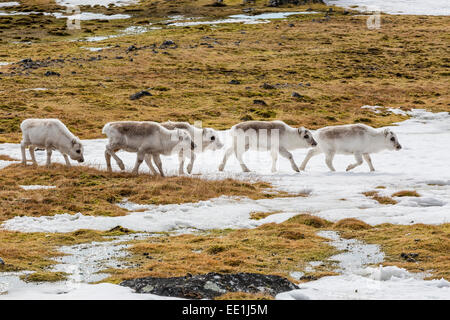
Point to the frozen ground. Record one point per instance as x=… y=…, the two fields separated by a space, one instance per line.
x=82 y=264
x=238 y=18
x=422 y=165
x=360 y=282
x=105 y=3
x=416 y=7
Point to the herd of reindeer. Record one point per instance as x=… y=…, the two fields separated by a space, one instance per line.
x=149 y=140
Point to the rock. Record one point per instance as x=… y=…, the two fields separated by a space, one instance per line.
x=168 y=44
x=234 y=81
x=210 y=285
x=410 y=257
x=51 y=73
x=132 y=48
x=27 y=60
x=296 y=95
x=309 y=278
x=247 y=117
x=120 y=229
x=260 y=102
x=2 y=262
x=140 y=94
x=267 y=86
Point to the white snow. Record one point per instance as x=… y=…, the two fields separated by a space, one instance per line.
x=78 y=291
x=36 y=187
x=9 y=4
x=82 y=263
x=422 y=165
x=359 y=282
x=416 y=7
x=104 y=3
x=239 y=18
x=5 y=163
x=90 y=16
x=35 y=89
x=81 y=16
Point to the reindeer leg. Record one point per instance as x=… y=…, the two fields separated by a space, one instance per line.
x=369 y=161
x=359 y=161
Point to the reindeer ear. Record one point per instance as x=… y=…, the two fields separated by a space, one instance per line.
x=301 y=130
x=204 y=132
x=74 y=141
x=386 y=132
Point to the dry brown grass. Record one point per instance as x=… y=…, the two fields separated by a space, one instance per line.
x=352 y=224
x=271 y=248
x=244 y=296
x=95 y=192
x=310 y=220
x=401 y=65
x=33 y=251
x=381 y=199
x=261 y=215
x=7 y=158
x=406 y=193
x=430 y=242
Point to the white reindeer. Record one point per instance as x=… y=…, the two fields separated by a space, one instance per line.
x=144 y=138
x=205 y=139
x=276 y=136
x=50 y=134
x=357 y=139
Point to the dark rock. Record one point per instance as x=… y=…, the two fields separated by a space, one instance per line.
x=218 y=3
x=210 y=285
x=247 y=117
x=140 y=94
x=119 y=229
x=132 y=48
x=309 y=278
x=410 y=257
x=267 y=86
x=51 y=73
x=2 y=262
x=260 y=102
x=296 y=95
x=168 y=44
x=234 y=81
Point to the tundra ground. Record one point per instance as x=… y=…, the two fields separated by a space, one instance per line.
x=220 y=75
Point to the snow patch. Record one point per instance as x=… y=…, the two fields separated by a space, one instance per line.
x=36 y=187
x=411 y=7
x=104 y=3
x=360 y=282
x=9 y=4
